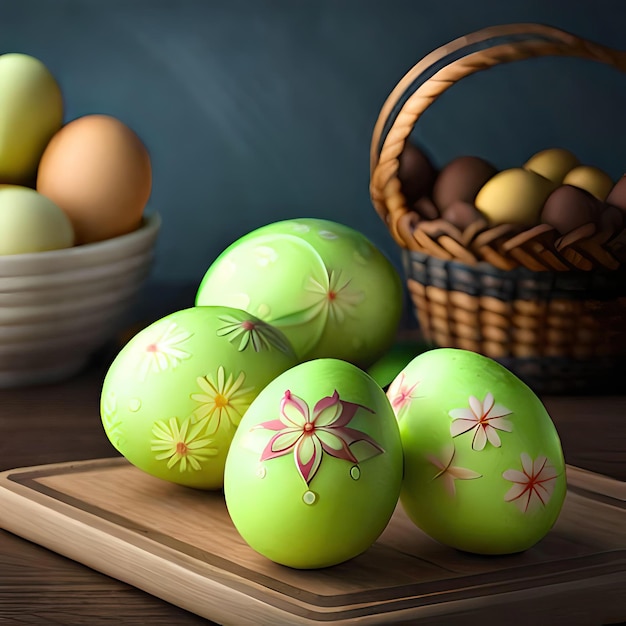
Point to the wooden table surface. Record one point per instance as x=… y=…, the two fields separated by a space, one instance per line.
x=61 y=422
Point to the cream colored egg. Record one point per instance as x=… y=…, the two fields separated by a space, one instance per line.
x=98 y=171
x=31 y=111
x=592 y=179
x=553 y=163
x=514 y=196
x=30 y=222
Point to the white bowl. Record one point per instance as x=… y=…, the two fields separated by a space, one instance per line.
x=58 y=308
x=87 y=255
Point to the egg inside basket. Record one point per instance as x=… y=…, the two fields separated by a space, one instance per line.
x=524 y=265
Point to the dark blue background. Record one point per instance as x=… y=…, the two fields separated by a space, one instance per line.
x=255 y=111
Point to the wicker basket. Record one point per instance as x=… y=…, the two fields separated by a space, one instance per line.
x=551 y=308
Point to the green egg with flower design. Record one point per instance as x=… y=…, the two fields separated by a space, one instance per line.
x=173 y=397
x=325 y=285
x=314 y=471
x=484 y=467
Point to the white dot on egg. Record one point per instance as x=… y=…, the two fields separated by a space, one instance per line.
x=301 y=228
x=309 y=497
x=328 y=234
x=263 y=310
x=225 y=270
x=134 y=404
x=265 y=255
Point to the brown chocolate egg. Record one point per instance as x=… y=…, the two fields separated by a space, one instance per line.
x=611 y=219
x=426 y=209
x=569 y=207
x=416 y=173
x=617 y=195
x=461 y=179
x=461 y=214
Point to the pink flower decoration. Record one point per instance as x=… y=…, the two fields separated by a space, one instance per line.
x=533 y=486
x=484 y=418
x=449 y=473
x=400 y=394
x=309 y=436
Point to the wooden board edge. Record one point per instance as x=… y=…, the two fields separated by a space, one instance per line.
x=577 y=477
x=124 y=561
x=28 y=515
x=593 y=483
x=129 y=562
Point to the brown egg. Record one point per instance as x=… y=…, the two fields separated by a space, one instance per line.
x=426 y=209
x=569 y=207
x=98 y=171
x=416 y=173
x=461 y=214
x=612 y=219
x=617 y=195
x=461 y=179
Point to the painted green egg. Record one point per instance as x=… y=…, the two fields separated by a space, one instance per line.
x=314 y=471
x=174 y=395
x=484 y=467
x=325 y=285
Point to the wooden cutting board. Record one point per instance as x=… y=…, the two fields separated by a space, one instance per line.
x=180 y=545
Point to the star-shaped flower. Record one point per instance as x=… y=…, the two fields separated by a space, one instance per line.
x=449 y=473
x=254 y=333
x=336 y=297
x=310 y=436
x=484 y=418
x=533 y=486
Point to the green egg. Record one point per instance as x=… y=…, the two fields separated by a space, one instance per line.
x=484 y=468
x=174 y=395
x=314 y=471
x=325 y=285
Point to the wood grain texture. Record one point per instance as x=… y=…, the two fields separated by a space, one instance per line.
x=180 y=544
x=49 y=424
x=60 y=423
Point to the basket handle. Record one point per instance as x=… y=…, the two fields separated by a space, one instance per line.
x=436 y=73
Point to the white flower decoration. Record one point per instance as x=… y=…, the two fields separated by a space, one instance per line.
x=484 y=418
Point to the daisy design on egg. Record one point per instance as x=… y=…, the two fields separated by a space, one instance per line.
x=163 y=349
x=222 y=401
x=485 y=418
x=308 y=436
x=183 y=445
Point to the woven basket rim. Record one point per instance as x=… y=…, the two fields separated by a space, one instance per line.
x=590 y=248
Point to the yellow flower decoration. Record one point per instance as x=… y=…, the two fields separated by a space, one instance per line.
x=184 y=445
x=221 y=398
